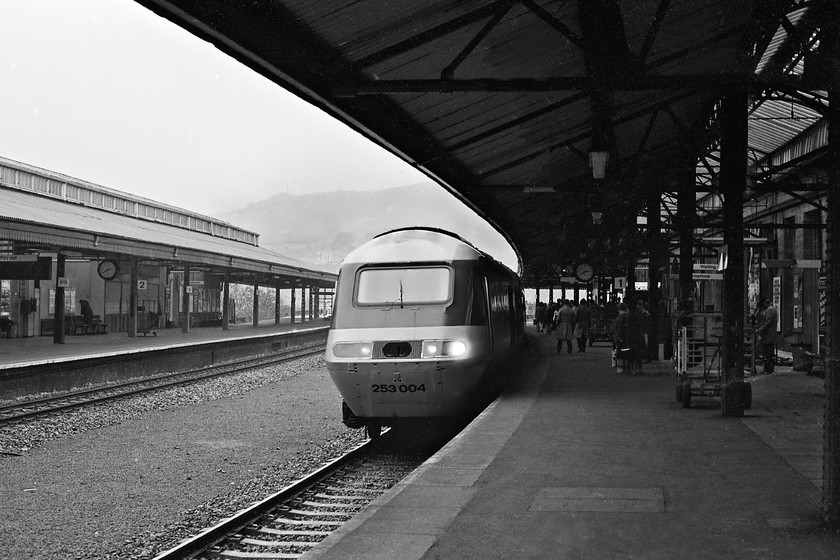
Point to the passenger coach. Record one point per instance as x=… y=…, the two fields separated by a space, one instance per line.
x=424 y=325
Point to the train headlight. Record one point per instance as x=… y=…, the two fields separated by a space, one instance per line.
x=443 y=348
x=455 y=348
x=353 y=349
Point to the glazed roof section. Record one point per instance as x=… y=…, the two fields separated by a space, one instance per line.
x=49 y=223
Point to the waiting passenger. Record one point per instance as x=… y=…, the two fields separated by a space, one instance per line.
x=583 y=322
x=564 y=320
x=86 y=310
x=768 y=319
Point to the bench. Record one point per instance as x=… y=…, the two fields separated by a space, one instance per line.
x=206 y=319
x=95 y=326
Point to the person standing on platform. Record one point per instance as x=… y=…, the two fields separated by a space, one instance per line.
x=564 y=319
x=621 y=340
x=766 y=331
x=637 y=324
x=644 y=329
x=548 y=318
x=539 y=316
x=583 y=322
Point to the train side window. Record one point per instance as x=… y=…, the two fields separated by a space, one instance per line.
x=478 y=304
x=404 y=286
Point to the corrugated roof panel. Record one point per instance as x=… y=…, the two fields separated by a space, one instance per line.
x=779 y=39
x=776 y=122
x=485 y=140
x=45 y=212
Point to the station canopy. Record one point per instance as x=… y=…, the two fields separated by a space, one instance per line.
x=44 y=211
x=512 y=104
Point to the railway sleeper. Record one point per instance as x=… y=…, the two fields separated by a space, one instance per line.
x=332 y=505
x=255 y=531
x=236 y=554
x=341 y=497
x=342 y=514
x=277 y=544
x=303 y=522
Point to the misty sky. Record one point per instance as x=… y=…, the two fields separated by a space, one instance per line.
x=108 y=92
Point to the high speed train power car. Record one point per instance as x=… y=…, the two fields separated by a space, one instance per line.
x=423 y=326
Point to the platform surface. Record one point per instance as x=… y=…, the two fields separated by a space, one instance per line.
x=15 y=352
x=576 y=462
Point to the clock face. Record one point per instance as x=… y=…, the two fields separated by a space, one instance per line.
x=108 y=269
x=584 y=272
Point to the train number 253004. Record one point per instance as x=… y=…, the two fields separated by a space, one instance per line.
x=385 y=388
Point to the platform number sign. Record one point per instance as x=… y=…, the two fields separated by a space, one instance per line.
x=142 y=284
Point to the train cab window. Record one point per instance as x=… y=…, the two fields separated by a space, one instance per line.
x=404 y=286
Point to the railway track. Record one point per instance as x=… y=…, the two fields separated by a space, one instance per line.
x=39 y=407
x=291 y=522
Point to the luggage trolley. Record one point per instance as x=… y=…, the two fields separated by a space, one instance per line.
x=147 y=321
x=698 y=357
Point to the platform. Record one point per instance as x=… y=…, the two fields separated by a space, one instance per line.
x=576 y=462
x=31 y=366
x=15 y=352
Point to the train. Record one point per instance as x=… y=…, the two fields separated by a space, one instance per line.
x=424 y=326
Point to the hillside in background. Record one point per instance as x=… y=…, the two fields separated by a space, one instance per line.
x=322 y=228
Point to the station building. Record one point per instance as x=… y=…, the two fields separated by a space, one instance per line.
x=71 y=250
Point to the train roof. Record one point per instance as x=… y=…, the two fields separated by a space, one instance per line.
x=414 y=244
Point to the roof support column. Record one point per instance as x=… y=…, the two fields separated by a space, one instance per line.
x=255 y=320
x=733 y=179
x=685 y=225
x=186 y=298
x=58 y=317
x=830 y=41
x=632 y=258
x=132 y=301
x=226 y=302
x=654 y=242
x=292 y=308
x=302 y=304
x=277 y=303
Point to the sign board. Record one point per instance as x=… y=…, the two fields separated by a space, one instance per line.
x=17 y=258
x=63 y=282
x=706 y=267
x=640 y=286
x=142 y=284
x=25 y=267
x=707 y=276
x=620 y=282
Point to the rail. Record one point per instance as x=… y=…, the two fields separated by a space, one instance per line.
x=48 y=405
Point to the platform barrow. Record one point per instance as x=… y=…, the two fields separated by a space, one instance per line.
x=698 y=359
x=147 y=323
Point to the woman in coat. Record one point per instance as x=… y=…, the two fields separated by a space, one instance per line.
x=564 y=319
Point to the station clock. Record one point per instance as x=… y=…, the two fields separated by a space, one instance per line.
x=108 y=269
x=584 y=271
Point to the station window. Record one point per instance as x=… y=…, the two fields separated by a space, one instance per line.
x=5 y=298
x=69 y=302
